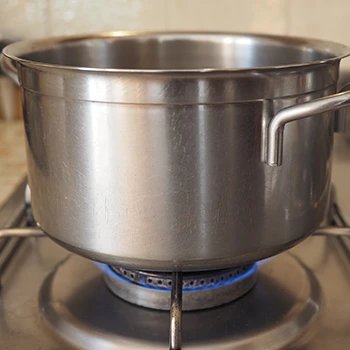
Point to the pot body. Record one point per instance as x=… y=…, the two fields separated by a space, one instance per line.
x=164 y=171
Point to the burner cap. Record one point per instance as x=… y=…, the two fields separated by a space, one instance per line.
x=201 y=290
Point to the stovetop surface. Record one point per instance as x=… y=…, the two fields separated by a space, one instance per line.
x=31 y=310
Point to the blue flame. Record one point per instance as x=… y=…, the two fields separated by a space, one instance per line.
x=252 y=270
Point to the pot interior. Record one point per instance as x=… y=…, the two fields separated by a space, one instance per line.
x=178 y=51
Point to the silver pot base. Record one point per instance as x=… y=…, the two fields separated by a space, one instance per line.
x=181 y=265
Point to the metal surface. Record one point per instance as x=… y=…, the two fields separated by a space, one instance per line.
x=202 y=291
x=175 y=334
x=191 y=280
x=146 y=150
x=341 y=176
x=333 y=231
x=282 y=306
x=343 y=83
x=21 y=232
x=74 y=298
x=276 y=126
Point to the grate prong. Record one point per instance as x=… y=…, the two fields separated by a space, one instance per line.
x=175 y=337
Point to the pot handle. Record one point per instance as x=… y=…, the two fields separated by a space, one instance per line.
x=9 y=67
x=274 y=145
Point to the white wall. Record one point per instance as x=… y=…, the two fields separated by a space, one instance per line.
x=39 y=18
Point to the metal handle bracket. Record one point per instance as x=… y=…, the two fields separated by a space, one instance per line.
x=274 y=144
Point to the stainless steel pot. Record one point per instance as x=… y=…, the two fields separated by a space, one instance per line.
x=163 y=151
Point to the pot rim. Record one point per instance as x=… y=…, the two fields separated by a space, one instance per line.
x=16 y=50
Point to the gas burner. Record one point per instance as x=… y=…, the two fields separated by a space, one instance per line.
x=201 y=290
x=276 y=312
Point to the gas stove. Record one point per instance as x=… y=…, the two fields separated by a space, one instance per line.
x=54 y=299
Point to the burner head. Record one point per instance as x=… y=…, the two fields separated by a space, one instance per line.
x=201 y=290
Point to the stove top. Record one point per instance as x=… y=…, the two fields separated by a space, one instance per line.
x=52 y=299
x=275 y=312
